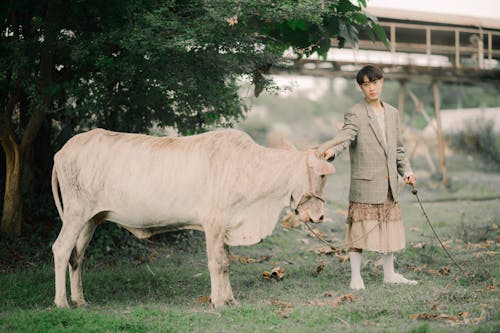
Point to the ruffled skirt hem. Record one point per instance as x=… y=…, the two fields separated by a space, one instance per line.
x=375 y=227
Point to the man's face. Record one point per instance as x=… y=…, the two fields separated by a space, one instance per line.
x=372 y=90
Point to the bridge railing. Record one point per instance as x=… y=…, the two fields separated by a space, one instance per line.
x=462 y=46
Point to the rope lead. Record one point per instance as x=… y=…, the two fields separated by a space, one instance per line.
x=415 y=193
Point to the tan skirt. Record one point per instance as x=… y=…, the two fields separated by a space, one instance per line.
x=375 y=227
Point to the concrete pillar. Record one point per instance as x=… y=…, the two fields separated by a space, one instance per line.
x=439 y=133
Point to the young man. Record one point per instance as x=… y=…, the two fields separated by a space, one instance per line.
x=372 y=132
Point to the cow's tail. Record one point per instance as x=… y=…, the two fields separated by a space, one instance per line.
x=55 y=192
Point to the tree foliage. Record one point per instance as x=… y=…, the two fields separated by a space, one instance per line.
x=128 y=65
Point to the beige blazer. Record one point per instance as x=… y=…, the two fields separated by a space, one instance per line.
x=375 y=162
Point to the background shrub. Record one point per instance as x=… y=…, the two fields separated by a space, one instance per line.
x=478 y=139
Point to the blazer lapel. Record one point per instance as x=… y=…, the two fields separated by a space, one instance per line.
x=375 y=126
x=390 y=129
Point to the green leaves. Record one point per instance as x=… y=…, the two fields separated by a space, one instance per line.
x=297 y=25
x=127 y=64
x=379 y=31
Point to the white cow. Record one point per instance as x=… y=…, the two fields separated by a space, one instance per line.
x=220 y=182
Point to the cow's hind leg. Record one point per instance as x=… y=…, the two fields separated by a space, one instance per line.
x=61 y=249
x=76 y=262
x=218 y=266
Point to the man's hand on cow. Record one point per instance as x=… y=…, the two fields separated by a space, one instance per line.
x=410 y=179
x=329 y=155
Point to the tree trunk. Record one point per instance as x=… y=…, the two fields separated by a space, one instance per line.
x=12 y=205
x=15 y=151
x=15 y=157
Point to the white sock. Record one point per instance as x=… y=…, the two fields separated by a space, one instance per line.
x=388 y=265
x=389 y=275
x=356 y=279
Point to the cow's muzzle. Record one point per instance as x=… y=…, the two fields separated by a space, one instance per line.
x=304 y=213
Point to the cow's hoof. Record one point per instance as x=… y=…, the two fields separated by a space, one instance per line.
x=231 y=302
x=81 y=303
x=217 y=305
x=62 y=304
x=221 y=304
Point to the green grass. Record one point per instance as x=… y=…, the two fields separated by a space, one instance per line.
x=155 y=286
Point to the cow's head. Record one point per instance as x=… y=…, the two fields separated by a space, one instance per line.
x=309 y=205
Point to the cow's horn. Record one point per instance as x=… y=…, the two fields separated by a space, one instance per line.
x=327 y=145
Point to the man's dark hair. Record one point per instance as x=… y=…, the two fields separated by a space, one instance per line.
x=372 y=72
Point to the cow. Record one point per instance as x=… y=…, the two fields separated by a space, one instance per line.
x=220 y=182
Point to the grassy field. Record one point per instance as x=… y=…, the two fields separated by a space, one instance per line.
x=160 y=286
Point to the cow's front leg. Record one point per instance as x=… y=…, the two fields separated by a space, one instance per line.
x=218 y=266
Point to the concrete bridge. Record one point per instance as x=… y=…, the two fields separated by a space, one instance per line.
x=424 y=48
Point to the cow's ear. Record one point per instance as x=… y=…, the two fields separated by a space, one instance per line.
x=320 y=166
x=286 y=144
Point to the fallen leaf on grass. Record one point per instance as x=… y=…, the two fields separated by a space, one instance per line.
x=444 y=271
x=452 y=318
x=427 y=316
x=202 y=300
x=285 y=308
x=462 y=318
x=441 y=271
x=486 y=253
x=284 y=312
x=333 y=302
x=493 y=227
x=370 y=323
x=341 y=258
x=153 y=255
x=421 y=316
x=277 y=273
x=491 y=288
x=418 y=268
x=484 y=245
x=325 y=250
x=489 y=306
x=419 y=245
x=318 y=268
x=473 y=320
x=247 y=260
x=281 y=304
